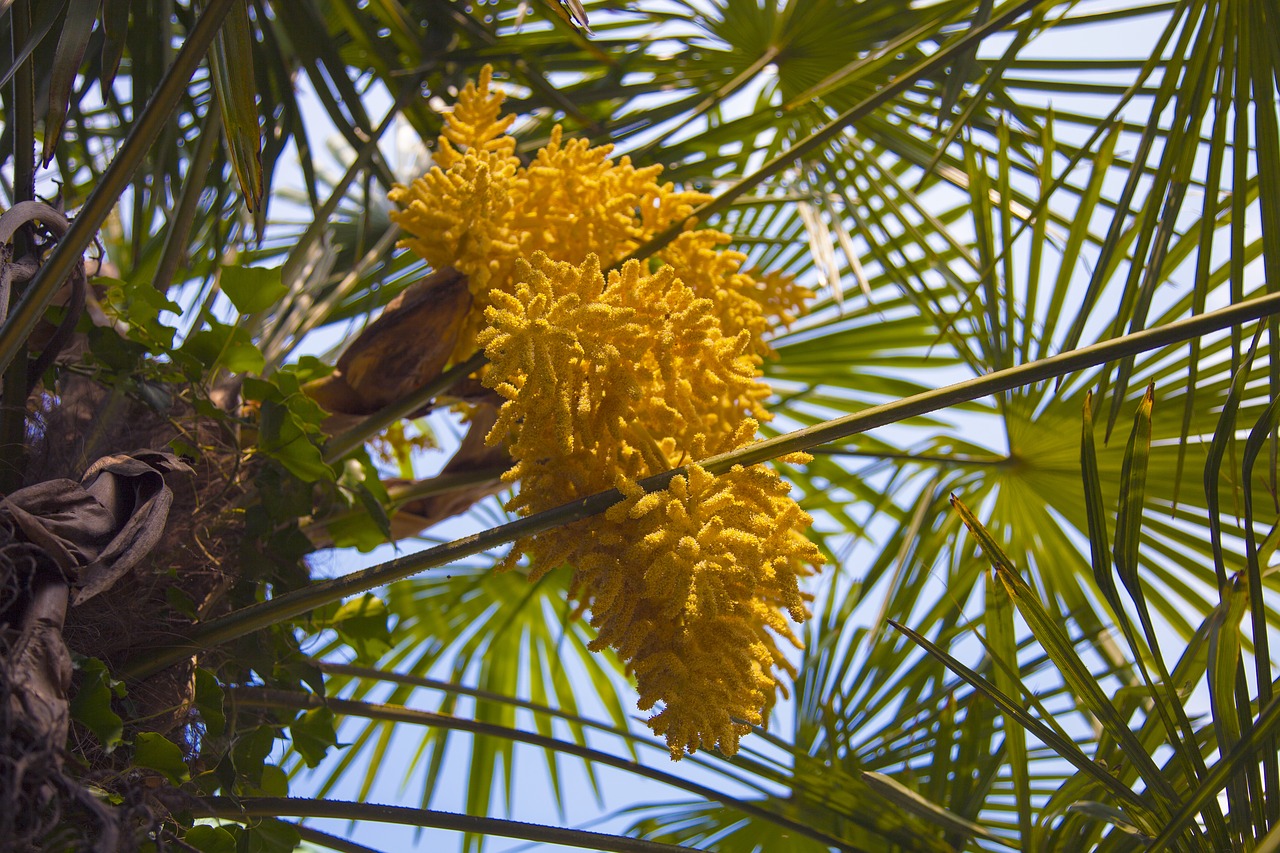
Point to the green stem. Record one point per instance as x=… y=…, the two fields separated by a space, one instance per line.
x=998 y=461
x=297 y=602
x=150 y=124
x=13 y=401
x=258 y=697
x=24 y=107
x=174 y=253
x=998 y=382
x=442 y=484
x=242 y=810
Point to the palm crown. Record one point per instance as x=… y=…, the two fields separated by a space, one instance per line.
x=968 y=204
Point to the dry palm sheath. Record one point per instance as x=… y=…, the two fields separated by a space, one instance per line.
x=62 y=543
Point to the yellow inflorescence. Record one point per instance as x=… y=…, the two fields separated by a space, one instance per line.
x=694 y=595
x=573 y=201
x=741 y=301
x=608 y=380
x=611 y=379
x=477 y=125
x=479 y=209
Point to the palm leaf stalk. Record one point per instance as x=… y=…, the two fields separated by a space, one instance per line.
x=296 y=603
x=272 y=807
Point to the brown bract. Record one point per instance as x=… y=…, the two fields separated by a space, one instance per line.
x=404 y=349
x=401 y=351
x=473 y=455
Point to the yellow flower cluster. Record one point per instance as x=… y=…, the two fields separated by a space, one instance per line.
x=720 y=558
x=742 y=302
x=479 y=210
x=608 y=380
x=611 y=379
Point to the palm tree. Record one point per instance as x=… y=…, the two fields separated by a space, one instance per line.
x=1042 y=357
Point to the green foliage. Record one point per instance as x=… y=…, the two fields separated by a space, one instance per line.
x=289 y=426
x=209 y=699
x=252 y=289
x=366 y=524
x=139 y=306
x=312 y=734
x=223 y=347
x=91 y=706
x=361 y=623
x=156 y=752
x=211 y=839
x=267 y=836
x=249 y=754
